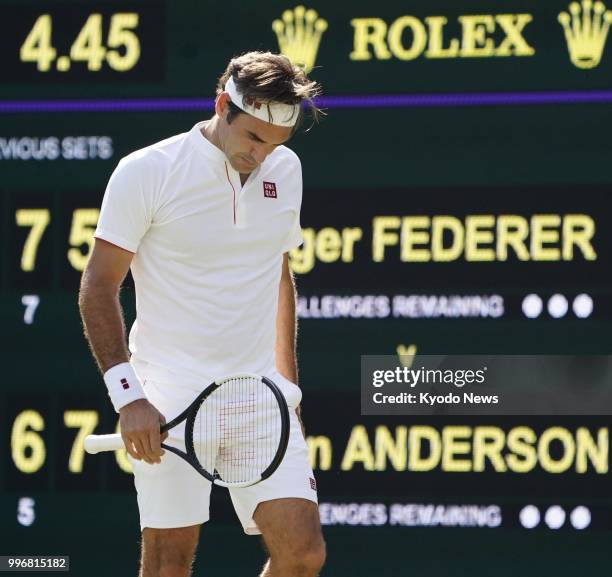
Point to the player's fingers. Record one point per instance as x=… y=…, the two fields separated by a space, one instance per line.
x=151 y=455
x=155 y=442
x=143 y=446
x=129 y=447
x=164 y=435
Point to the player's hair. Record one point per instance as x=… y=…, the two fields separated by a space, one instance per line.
x=270 y=77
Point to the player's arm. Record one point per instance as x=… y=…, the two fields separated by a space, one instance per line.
x=105 y=330
x=286 y=327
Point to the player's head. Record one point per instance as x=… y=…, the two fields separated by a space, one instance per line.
x=260 y=99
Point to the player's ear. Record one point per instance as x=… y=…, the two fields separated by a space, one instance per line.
x=221 y=105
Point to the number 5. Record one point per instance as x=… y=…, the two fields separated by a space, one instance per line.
x=120 y=35
x=26 y=514
x=84 y=222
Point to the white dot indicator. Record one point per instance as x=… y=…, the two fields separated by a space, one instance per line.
x=580 y=517
x=529 y=516
x=532 y=306
x=557 y=306
x=583 y=306
x=555 y=517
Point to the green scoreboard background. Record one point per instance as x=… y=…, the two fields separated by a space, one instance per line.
x=457 y=199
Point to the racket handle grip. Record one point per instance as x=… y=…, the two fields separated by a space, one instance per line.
x=97 y=443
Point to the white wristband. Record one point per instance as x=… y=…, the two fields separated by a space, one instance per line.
x=123 y=385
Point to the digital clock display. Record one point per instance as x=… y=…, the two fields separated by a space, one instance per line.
x=76 y=42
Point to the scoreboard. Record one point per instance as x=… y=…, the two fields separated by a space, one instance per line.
x=457 y=200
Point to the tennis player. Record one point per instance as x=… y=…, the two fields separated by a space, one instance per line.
x=205 y=220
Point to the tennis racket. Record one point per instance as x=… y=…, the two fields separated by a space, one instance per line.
x=236 y=431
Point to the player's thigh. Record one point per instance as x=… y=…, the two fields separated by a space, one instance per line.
x=290 y=527
x=168 y=548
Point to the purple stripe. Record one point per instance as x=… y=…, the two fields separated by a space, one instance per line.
x=475 y=99
x=107 y=105
x=358 y=101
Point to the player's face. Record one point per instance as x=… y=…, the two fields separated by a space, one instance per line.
x=248 y=141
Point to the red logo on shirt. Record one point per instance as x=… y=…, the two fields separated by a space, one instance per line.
x=125 y=384
x=313 y=484
x=269 y=189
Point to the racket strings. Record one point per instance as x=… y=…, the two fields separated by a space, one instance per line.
x=238 y=430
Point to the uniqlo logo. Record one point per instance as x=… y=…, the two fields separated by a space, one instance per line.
x=125 y=384
x=269 y=189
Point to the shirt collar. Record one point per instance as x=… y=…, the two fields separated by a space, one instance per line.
x=204 y=145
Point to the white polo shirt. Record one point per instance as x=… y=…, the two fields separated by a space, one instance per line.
x=208 y=254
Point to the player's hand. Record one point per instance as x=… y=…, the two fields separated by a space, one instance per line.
x=140 y=422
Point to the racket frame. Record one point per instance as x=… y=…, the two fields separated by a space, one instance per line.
x=189 y=415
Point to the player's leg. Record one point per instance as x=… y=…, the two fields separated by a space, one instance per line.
x=284 y=508
x=292 y=534
x=168 y=552
x=173 y=500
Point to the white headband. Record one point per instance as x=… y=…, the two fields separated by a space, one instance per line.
x=275 y=113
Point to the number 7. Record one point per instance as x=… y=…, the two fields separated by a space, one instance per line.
x=38 y=219
x=86 y=422
x=31 y=303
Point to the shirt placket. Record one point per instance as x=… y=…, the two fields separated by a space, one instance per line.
x=233 y=179
x=238 y=192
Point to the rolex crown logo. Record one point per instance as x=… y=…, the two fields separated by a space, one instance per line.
x=586 y=29
x=406 y=354
x=299 y=34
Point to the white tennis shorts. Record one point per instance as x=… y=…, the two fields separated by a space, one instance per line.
x=172 y=494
